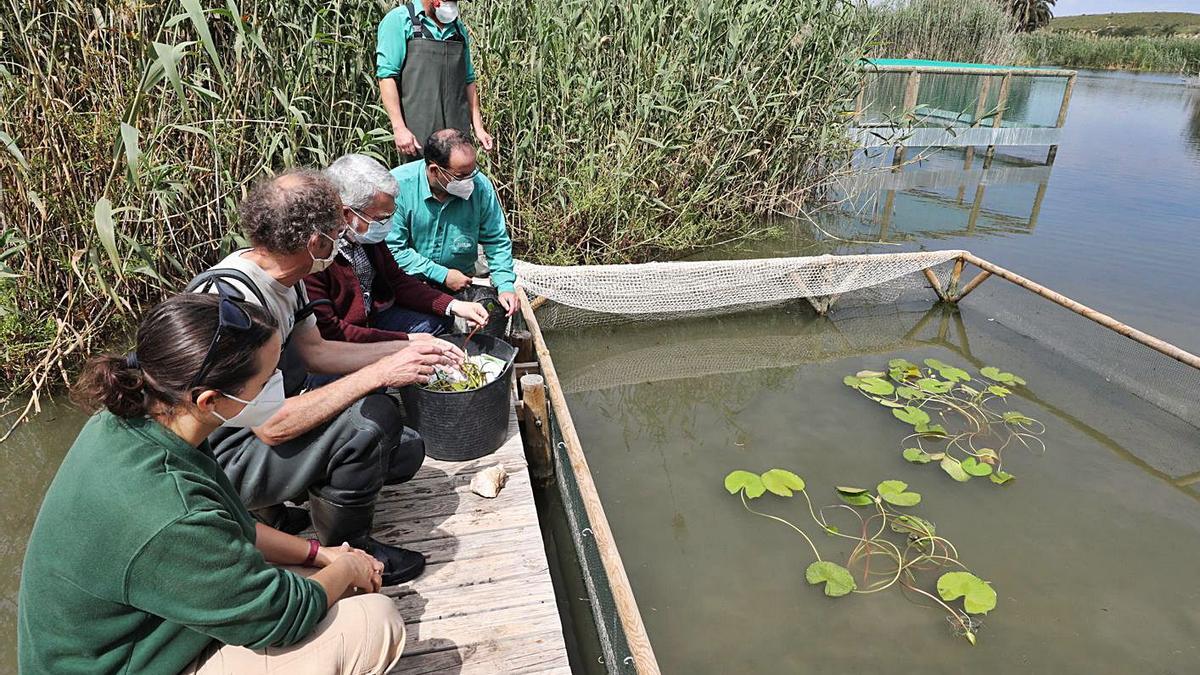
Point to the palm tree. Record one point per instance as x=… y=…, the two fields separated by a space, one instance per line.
x=1031 y=14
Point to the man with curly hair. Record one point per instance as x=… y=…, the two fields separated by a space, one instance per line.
x=335 y=446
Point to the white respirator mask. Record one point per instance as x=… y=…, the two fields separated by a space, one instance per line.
x=446 y=12
x=377 y=230
x=259 y=409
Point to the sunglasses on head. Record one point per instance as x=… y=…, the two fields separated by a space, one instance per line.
x=230 y=315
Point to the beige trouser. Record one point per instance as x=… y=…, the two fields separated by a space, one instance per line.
x=359 y=635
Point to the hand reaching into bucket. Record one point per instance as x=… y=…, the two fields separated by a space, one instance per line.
x=509 y=300
x=415 y=363
x=452 y=349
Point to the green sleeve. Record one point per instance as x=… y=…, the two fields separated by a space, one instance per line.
x=493 y=236
x=200 y=571
x=392 y=43
x=467 y=52
x=399 y=242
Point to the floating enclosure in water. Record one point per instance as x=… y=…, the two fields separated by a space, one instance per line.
x=666 y=409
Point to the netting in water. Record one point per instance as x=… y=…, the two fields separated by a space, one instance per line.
x=652 y=289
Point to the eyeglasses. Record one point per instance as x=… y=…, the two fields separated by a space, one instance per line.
x=369 y=219
x=457 y=177
x=230 y=314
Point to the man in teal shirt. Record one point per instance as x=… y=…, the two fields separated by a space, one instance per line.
x=446 y=209
x=426 y=78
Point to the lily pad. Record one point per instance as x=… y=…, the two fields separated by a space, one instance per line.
x=744 y=480
x=909 y=393
x=851 y=381
x=994 y=373
x=952 y=467
x=887 y=403
x=997 y=390
x=901 y=364
x=917 y=456
x=1001 y=477
x=837 y=579
x=864 y=374
x=912 y=525
x=934 y=386
x=975 y=467
x=896 y=493
x=877 y=386
x=935 y=429
x=782 y=482
x=949 y=372
x=978 y=596
x=1014 y=417
x=854 y=496
x=911 y=415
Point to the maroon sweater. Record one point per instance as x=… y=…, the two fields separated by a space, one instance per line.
x=348 y=320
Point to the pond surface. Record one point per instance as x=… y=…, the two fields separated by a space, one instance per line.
x=1090 y=549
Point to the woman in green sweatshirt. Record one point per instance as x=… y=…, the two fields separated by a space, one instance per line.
x=143 y=559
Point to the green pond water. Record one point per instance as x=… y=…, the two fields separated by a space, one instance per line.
x=1090 y=549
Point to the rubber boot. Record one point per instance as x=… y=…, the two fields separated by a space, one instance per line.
x=336 y=524
x=290 y=519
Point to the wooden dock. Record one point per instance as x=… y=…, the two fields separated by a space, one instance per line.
x=485 y=603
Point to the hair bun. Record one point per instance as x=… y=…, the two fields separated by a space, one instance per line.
x=113 y=382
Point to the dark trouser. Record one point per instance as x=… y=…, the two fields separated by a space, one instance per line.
x=344 y=461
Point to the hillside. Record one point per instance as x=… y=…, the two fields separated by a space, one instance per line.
x=1130 y=23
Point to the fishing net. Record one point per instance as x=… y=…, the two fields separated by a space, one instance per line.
x=664 y=289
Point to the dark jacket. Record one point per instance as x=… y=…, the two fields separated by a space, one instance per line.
x=348 y=320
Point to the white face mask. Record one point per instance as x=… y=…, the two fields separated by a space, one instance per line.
x=446 y=12
x=461 y=187
x=262 y=408
x=321 y=264
x=377 y=231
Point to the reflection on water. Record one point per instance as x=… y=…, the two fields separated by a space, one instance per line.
x=1114 y=223
x=1072 y=546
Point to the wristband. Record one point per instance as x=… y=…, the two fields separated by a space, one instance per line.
x=313 y=547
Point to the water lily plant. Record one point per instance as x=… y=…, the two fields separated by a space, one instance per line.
x=957 y=425
x=891 y=548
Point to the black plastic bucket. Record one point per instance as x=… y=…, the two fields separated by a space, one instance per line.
x=487 y=296
x=462 y=425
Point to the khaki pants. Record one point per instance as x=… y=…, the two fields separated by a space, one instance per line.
x=359 y=635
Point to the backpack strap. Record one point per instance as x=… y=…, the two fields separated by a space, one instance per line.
x=204 y=282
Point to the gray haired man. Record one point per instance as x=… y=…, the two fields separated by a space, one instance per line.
x=338 y=445
x=370 y=298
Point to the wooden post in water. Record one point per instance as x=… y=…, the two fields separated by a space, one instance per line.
x=1001 y=104
x=1062 y=115
x=980 y=108
x=536 y=420
x=911 y=89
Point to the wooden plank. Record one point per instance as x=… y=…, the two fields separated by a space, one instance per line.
x=485 y=602
x=532 y=654
x=512 y=622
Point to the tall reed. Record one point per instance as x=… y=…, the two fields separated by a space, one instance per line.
x=129 y=131
x=974 y=31
x=1082 y=50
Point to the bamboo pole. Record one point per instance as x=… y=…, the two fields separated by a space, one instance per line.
x=1001 y=104
x=935 y=284
x=980 y=108
x=1160 y=346
x=1062 y=115
x=627 y=609
x=972 y=284
x=912 y=88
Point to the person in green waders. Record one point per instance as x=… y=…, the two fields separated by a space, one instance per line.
x=426 y=80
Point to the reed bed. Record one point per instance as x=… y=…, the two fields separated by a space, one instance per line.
x=1082 y=50
x=129 y=132
x=973 y=31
